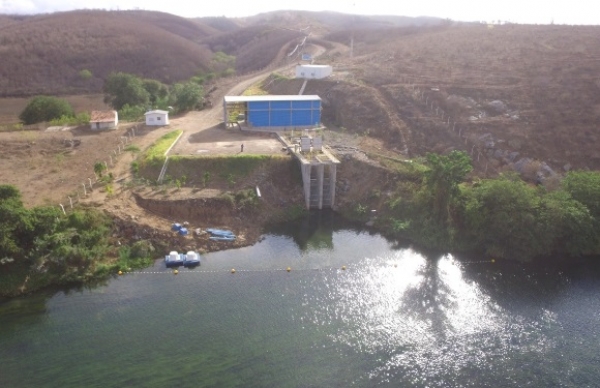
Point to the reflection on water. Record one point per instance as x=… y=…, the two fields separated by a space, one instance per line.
x=394 y=317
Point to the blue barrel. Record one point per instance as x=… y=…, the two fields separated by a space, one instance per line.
x=176 y=227
x=183 y=231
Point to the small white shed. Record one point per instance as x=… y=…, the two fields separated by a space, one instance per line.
x=313 y=71
x=157 y=117
x=104 y=119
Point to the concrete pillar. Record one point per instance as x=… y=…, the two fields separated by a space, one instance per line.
x=320 y=175
x=332 y=180
x=306 y=181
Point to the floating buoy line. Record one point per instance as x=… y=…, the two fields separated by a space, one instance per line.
x=287 y=269
x=232 y=271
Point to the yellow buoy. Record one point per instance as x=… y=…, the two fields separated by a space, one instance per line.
x=343 y=267
x=176 y=272
x=289 y=269
x=493 y=260
x=120 y=273
x=233 y=270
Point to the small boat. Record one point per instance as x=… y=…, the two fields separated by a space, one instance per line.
x=222 y=238
x=220 y=232
x=174 y=259
x=191 y=259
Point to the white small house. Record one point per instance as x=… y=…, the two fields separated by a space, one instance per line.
x=313 y=71
x=104 y=119
x=157 y=117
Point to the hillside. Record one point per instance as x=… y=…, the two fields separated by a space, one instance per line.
x=45 y=53
x=254 y=47
x=524 y=97
x=516 y=97
x=327 y=21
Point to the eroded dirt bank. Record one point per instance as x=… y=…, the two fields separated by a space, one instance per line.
x=145 y=213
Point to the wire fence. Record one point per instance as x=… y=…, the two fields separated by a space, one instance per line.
x=89 y=184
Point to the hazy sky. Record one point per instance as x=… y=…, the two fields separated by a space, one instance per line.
x=516 y=11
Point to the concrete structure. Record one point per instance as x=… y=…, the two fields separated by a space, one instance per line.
x=313 y=71
x=104 y=119
x=319 y=170
x=279 y=112
x=157 y=117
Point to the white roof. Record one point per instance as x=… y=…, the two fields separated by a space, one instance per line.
x=317 y=66
x=293 y=97
x=162 y=112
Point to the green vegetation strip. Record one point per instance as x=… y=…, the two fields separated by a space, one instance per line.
x=156 y=153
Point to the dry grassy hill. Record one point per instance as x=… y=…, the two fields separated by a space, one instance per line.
x=514 y=96
x=531 y=90
x=45 y=53
x=219 y=23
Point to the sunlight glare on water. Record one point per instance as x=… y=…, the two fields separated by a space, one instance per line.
x=421 y=312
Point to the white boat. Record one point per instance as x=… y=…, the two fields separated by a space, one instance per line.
x=191 y=259
x=174 y=259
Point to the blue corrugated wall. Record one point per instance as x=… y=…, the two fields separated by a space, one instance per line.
x=284 y=113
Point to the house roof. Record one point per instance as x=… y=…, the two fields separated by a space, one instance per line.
x=293 y=97
x=103 y=116
x=156 y=111
x=314 y=66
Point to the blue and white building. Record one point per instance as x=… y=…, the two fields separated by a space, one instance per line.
x=271 y=111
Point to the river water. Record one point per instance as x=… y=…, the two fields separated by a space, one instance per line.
x=393 y=318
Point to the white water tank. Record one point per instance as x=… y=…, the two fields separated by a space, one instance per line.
x=313 y=71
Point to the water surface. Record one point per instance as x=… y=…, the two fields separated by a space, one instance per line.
x=393 y=317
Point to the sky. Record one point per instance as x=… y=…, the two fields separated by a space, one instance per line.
x=515 y=11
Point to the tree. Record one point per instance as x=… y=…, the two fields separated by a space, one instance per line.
x=223 y=64
x=568 y=224
x=124 y=88
x=156 y=89
x=442 y=180
x=12 y=216
x=45 y=108
x=187 y=96
x=85 y=74
x=584 y=186
x=502 y=219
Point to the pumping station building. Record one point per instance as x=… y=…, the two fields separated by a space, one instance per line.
x=275 y=112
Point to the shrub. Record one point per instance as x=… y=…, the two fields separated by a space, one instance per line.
x=45 y=108
x=131 y=113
